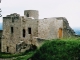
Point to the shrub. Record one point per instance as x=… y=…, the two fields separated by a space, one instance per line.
x=59 y=50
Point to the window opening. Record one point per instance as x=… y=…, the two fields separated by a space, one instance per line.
x=24 y=32
x=7 y=49
x=12 y=19
x=29 y=30
x=11 y=29
x=27 y=15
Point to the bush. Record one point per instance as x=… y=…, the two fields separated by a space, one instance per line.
x=59 y=50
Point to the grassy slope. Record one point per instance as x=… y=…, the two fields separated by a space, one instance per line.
x=68 y=49
x=64 y=49
x=21 y=56
x=24 y=57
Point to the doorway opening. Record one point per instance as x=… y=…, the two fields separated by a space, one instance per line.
x=60 y=32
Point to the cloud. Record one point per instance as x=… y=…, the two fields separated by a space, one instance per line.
x=47 y=8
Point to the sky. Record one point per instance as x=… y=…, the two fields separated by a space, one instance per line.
x=47 y=8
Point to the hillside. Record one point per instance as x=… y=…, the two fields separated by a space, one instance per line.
x=59 y=50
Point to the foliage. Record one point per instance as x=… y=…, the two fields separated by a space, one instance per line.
x=22 y=55
x=25 y=57
x=56 y=49
x=68 y=49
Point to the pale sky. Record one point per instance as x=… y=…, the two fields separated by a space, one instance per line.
x=47 y=8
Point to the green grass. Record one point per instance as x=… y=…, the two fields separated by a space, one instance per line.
x=56 y=49
x=8 y=55
x=64 y=49
x=24 y=57
x=19 y=56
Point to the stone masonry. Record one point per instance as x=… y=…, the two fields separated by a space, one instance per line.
x=21 y=31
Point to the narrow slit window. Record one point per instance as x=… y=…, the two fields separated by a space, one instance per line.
x=24 y=32
x=11 y=29
x=12 y=19
x=16 y=47
x=29 y=30
x=7 y=49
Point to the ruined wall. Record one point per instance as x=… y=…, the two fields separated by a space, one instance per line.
x=10 y=39
x=48 y=28
x=65 y=29
x=29 y=23
x=68 y=31
x=59 y=25
x=25 y=30
x=1 y=32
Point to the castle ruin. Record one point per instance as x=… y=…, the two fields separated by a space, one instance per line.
x=21 y=31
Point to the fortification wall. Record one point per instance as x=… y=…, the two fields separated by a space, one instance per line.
x=11 y=33
x=24 y=29
x=59 y=26
x=47 y=28
x=30 y=25
x=68 y=31
x=1 y=32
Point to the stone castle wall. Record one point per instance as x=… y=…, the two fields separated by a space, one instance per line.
x=21 y=31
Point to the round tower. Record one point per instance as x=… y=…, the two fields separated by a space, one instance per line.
x=31 y=13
